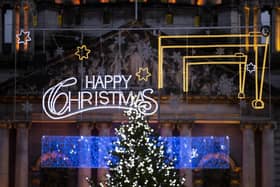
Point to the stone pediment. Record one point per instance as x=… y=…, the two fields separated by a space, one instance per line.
x=124 y=51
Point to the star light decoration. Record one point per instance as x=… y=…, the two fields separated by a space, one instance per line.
x=27 y=107
x=176 y=57
x=220 y=51
x=143 y=74
x=251 y=67
x=59 y=51
x=23 y=37
x=82 y=52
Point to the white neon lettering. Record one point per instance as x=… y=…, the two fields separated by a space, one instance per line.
x=60 y=104
x=104 y=100
x=117 y=81
x=83 y=99
x=124 y=101
x=108 y=80
x=126 y=80
x=90 y=82
x=99 y=81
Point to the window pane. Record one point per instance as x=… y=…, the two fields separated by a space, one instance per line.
x=8 y=23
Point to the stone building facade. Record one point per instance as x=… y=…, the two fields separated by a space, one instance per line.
x=123 y=36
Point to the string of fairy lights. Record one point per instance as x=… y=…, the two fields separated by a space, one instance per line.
x=66 y=151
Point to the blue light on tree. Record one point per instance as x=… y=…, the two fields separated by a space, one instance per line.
x=93 y=152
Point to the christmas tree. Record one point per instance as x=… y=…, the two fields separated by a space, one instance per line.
x=139 y=158
x=91 y=183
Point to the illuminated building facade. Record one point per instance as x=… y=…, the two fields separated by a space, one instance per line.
x=212 y=66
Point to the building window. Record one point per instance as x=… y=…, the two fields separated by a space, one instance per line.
x=265 y=21
x=8 y=26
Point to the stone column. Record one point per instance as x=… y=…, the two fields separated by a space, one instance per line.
x=104 y=129
x=185 y=130
x=166 y=129
x=268 y=154
x=22 y=169
x=85 y=130
x=248 y=156
x=4 y=156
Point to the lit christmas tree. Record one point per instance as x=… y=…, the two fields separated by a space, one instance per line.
x=139 y=158
x=91 y=183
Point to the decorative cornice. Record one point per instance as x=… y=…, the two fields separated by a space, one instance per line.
x=103 y=125
x=5 y=125
x=236 y=169
x=198 y=182
x=188 y=125
x=234 y=182
x=258 y=125
x=90 y=125
x=168 y=121
x=244 y=126
x=185 y=122
x=167 y=125
x=23 y=124
x=270 y=125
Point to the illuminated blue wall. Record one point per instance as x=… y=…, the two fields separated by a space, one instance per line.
x=92 y=151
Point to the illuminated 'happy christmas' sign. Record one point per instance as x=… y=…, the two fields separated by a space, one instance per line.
x=97 y=92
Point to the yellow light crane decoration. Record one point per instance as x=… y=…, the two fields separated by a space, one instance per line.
x=237 y=58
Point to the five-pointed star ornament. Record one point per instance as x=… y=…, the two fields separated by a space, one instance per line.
x=23 y=37
x=143 y=74
x=82 y=52
x=251 y=67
